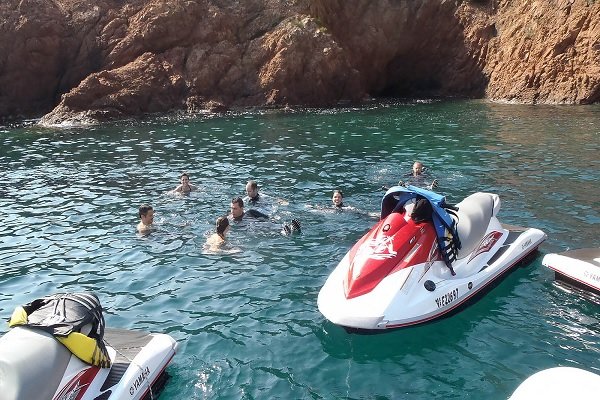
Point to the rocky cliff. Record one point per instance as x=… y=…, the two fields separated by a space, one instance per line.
x=95 y=60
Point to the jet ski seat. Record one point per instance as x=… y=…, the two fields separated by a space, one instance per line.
x=22 y=379
x=406 y=208
x=474 y=215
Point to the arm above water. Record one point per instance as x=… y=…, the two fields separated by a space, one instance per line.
x=254 y=213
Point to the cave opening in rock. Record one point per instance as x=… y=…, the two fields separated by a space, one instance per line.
x=417 y=87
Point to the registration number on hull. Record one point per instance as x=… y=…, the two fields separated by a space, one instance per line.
x=447 y=298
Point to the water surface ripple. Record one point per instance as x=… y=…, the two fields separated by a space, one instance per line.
x=246 y=318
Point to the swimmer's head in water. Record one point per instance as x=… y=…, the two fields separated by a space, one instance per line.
x=337 y=198
x=252 y=189
x=296 y=225
x=292 y=227
x=417 y=168
x=222 y=224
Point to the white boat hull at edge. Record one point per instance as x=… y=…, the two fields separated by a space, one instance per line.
x=559 y=383
x=582 y=266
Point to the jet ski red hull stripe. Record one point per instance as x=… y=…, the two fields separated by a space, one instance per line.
x=78 y=385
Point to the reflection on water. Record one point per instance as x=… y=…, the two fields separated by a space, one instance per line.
x=246 y=317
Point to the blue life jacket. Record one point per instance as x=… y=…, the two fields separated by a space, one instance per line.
x=445 y=226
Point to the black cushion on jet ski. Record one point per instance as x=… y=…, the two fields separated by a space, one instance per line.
x=75 y=310
x=422 y=211
x=64 y=313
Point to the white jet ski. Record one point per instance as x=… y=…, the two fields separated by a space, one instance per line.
x=57 y=349
x=422 y=260
x=579 y=267
x=559 y=383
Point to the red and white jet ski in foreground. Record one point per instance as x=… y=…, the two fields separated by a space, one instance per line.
x=579 y=268
x=422 y=260
x=57 y=348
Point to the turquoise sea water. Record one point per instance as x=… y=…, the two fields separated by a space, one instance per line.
x=246 y=318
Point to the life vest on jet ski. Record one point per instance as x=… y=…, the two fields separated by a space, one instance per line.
x=74 y=319
x=444 y=224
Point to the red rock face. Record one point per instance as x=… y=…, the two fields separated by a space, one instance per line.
x=545 y=52
x=86 y=61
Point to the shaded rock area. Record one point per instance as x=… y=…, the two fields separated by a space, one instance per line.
x=81 y=60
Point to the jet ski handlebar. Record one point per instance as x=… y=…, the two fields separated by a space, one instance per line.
x=452 y=207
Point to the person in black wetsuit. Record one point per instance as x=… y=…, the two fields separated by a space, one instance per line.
x=237 y=210
x=260 y=201
x=417 y=177
x=252 y=193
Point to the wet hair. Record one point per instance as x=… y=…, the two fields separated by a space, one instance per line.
x=253 y=184
x=238 y=200
x=292 y=227
x=341 y=204
x=221 y=224
x=422 y=210
x=296 y=225
x=144 y=208
x=184 y=174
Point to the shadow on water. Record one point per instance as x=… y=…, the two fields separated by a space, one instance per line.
x=575 y=288
x=415 y=340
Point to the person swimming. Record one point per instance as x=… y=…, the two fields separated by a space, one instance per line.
x=293 y=227
x=146 y=214
x=252 y=195
x=261 y=201
x=185 y=186
x=216 y=240
x=237 y=210
x=337 y=199
x=417 y=177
